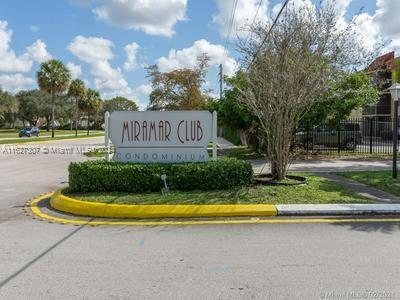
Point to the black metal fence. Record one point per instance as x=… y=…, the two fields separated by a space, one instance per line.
x=365 y=135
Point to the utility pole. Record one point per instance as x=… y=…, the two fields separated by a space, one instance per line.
x=220 y=82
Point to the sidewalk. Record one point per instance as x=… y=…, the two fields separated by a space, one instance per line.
x=362 y=189
x=224 y=144
x=325 y=167
x=329 y=165
x=337 y=209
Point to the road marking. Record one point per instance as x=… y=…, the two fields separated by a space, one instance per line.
x=34 y=205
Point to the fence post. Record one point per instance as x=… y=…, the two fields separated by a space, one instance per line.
x=370 y=134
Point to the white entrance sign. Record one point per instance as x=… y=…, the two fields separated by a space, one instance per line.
x=161 y=136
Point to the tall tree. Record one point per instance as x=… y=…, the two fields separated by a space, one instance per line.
x=8 y=108
x=290 y=67
x=89 y=104
x=349 y=92
x=29 y=106
x=232 y=113
x=77 y=92
x=53 y=78
x=97 y=108
x=120 y=104
x=35 y=104
x=179 y=89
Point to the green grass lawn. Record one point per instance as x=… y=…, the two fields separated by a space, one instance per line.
x=341 y=155
x=244 y=152
x=318 y=190
x=379 y=179
x=10 y=136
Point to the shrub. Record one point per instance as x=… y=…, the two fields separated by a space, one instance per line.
x=102 y=176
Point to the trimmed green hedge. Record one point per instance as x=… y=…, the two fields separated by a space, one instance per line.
x=102 y=176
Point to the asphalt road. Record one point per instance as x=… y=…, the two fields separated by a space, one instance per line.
x=39 y=260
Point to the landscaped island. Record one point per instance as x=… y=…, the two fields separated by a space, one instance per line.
x=225 y=181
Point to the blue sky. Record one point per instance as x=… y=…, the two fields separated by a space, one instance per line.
x=104 y=28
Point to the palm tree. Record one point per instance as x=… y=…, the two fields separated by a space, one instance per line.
x=77 y=91
x=97 y=107
x=53 y=78
x=89 y=103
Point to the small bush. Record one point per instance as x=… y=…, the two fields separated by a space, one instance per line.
x=102 y=176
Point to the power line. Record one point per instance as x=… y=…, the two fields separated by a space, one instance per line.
x=268 y=33
x=254 y=19
x=234 y=6
x=220 y=74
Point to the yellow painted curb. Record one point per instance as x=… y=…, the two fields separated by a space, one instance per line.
x=103 y=210
x=34 y=205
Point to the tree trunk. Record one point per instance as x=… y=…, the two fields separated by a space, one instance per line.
x=243 y=137
x=96 y=116
x=76 y=117
x=47 y=123
x=88 y=122
x=52 y=114
x=278 y=171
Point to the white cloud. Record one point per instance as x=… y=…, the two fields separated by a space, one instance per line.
x=15 y=82
x=341 y=6
x=38 y=52
x=10 y=62
x=244 y=15
x=378 y=28
x=76 y=70
x=372 y=29
x=388 y=22
x=131 y=51
x=153 y=17
x=275 y=10
x=97 y=52
x=387 y=17
x=187 y=57
x=86 y=81
x=144 y=89
x=34 y=28
x=91 y=49
x=367 y=30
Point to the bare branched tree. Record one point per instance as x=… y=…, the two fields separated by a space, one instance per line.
x=291 y=67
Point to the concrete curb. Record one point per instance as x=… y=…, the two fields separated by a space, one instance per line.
x=337 y=209
x=35 y=206
x=78 y=207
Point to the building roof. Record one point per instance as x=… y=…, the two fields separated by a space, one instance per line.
x=383 y=62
